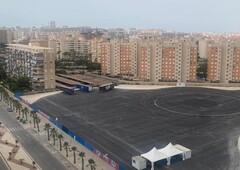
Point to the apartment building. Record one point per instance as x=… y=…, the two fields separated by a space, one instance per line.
x=153 y=61
x=6 y=35
x=105 y=51
x=214 y=61
x=236 y=64
x=189 y=61
x=94 y=48
x=119 y=58
x=144 y=61
x=224 y=62
x=67 y=44
x=34 y=62
x=114 y=57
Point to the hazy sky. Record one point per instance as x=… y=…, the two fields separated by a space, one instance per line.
x=178 y=15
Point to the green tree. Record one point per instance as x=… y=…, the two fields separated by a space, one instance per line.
x=92 y=164
x=3 y=74
x=47 y=128
x=53 y=133
x=60 y=138
x=202 y=68
x=82 y=156
x=66 y=147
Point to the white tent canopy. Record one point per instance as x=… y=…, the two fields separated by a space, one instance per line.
x=170 y=150
x=167 y=152
x=153 y=156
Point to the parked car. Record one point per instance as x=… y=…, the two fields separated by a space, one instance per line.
x=9 y=109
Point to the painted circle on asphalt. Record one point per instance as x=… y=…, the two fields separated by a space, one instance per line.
x=199 y=104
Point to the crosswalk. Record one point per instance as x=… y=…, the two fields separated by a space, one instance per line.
x=17 y=128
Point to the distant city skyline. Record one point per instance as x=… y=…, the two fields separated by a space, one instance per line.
x=171 y=15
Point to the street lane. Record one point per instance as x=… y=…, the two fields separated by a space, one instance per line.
x=3 y=166
x=33 y=146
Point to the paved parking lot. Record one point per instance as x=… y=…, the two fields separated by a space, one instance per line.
x=125 y=123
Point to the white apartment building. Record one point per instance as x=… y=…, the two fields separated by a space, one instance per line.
x=67 y=44
x=34 y=62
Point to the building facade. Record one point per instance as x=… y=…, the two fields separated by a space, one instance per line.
x=151 y=60
x=34 y=62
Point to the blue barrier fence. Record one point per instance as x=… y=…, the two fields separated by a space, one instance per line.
x=18 y=95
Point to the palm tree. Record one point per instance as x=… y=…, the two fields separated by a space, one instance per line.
x=66 y=146
x=10 y=100
x=60 y=138
x=33 y=115
x=6 y=97
x=10 y=156
x=33 y=164
x=37 y=120
x=82 y=155
x=53 y=133
x=16 y=142
x=25 y=113
x=74 y=149
x=2 y=90
x=18 y=106
x=47 y=128
x=92 y=164
x=13 y=104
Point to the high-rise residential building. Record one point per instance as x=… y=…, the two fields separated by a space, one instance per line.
x=67 y=44
x=151 y=61
x=144 y=61
x=203 y=48
x=224 y=62
x=214 y=61
x=94 y=48
x=105 y=50
x=171 y=62
x=52 y=24
x=119 y=58
x=236 y=64
x=6 y=35
x=189 y=61
x=34 y=62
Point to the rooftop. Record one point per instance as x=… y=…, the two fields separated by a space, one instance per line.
x=27 y=47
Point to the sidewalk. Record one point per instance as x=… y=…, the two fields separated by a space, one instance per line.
x=19 y=158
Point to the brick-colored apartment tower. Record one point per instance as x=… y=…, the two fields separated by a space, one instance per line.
x=214 y=62
x=150 y=61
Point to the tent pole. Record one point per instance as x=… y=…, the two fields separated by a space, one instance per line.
x=152 y=166
x=168 y=161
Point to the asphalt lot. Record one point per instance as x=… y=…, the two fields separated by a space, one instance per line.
x=125 y=123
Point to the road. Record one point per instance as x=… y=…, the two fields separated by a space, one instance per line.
x=33 y=146
x=2 y=164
